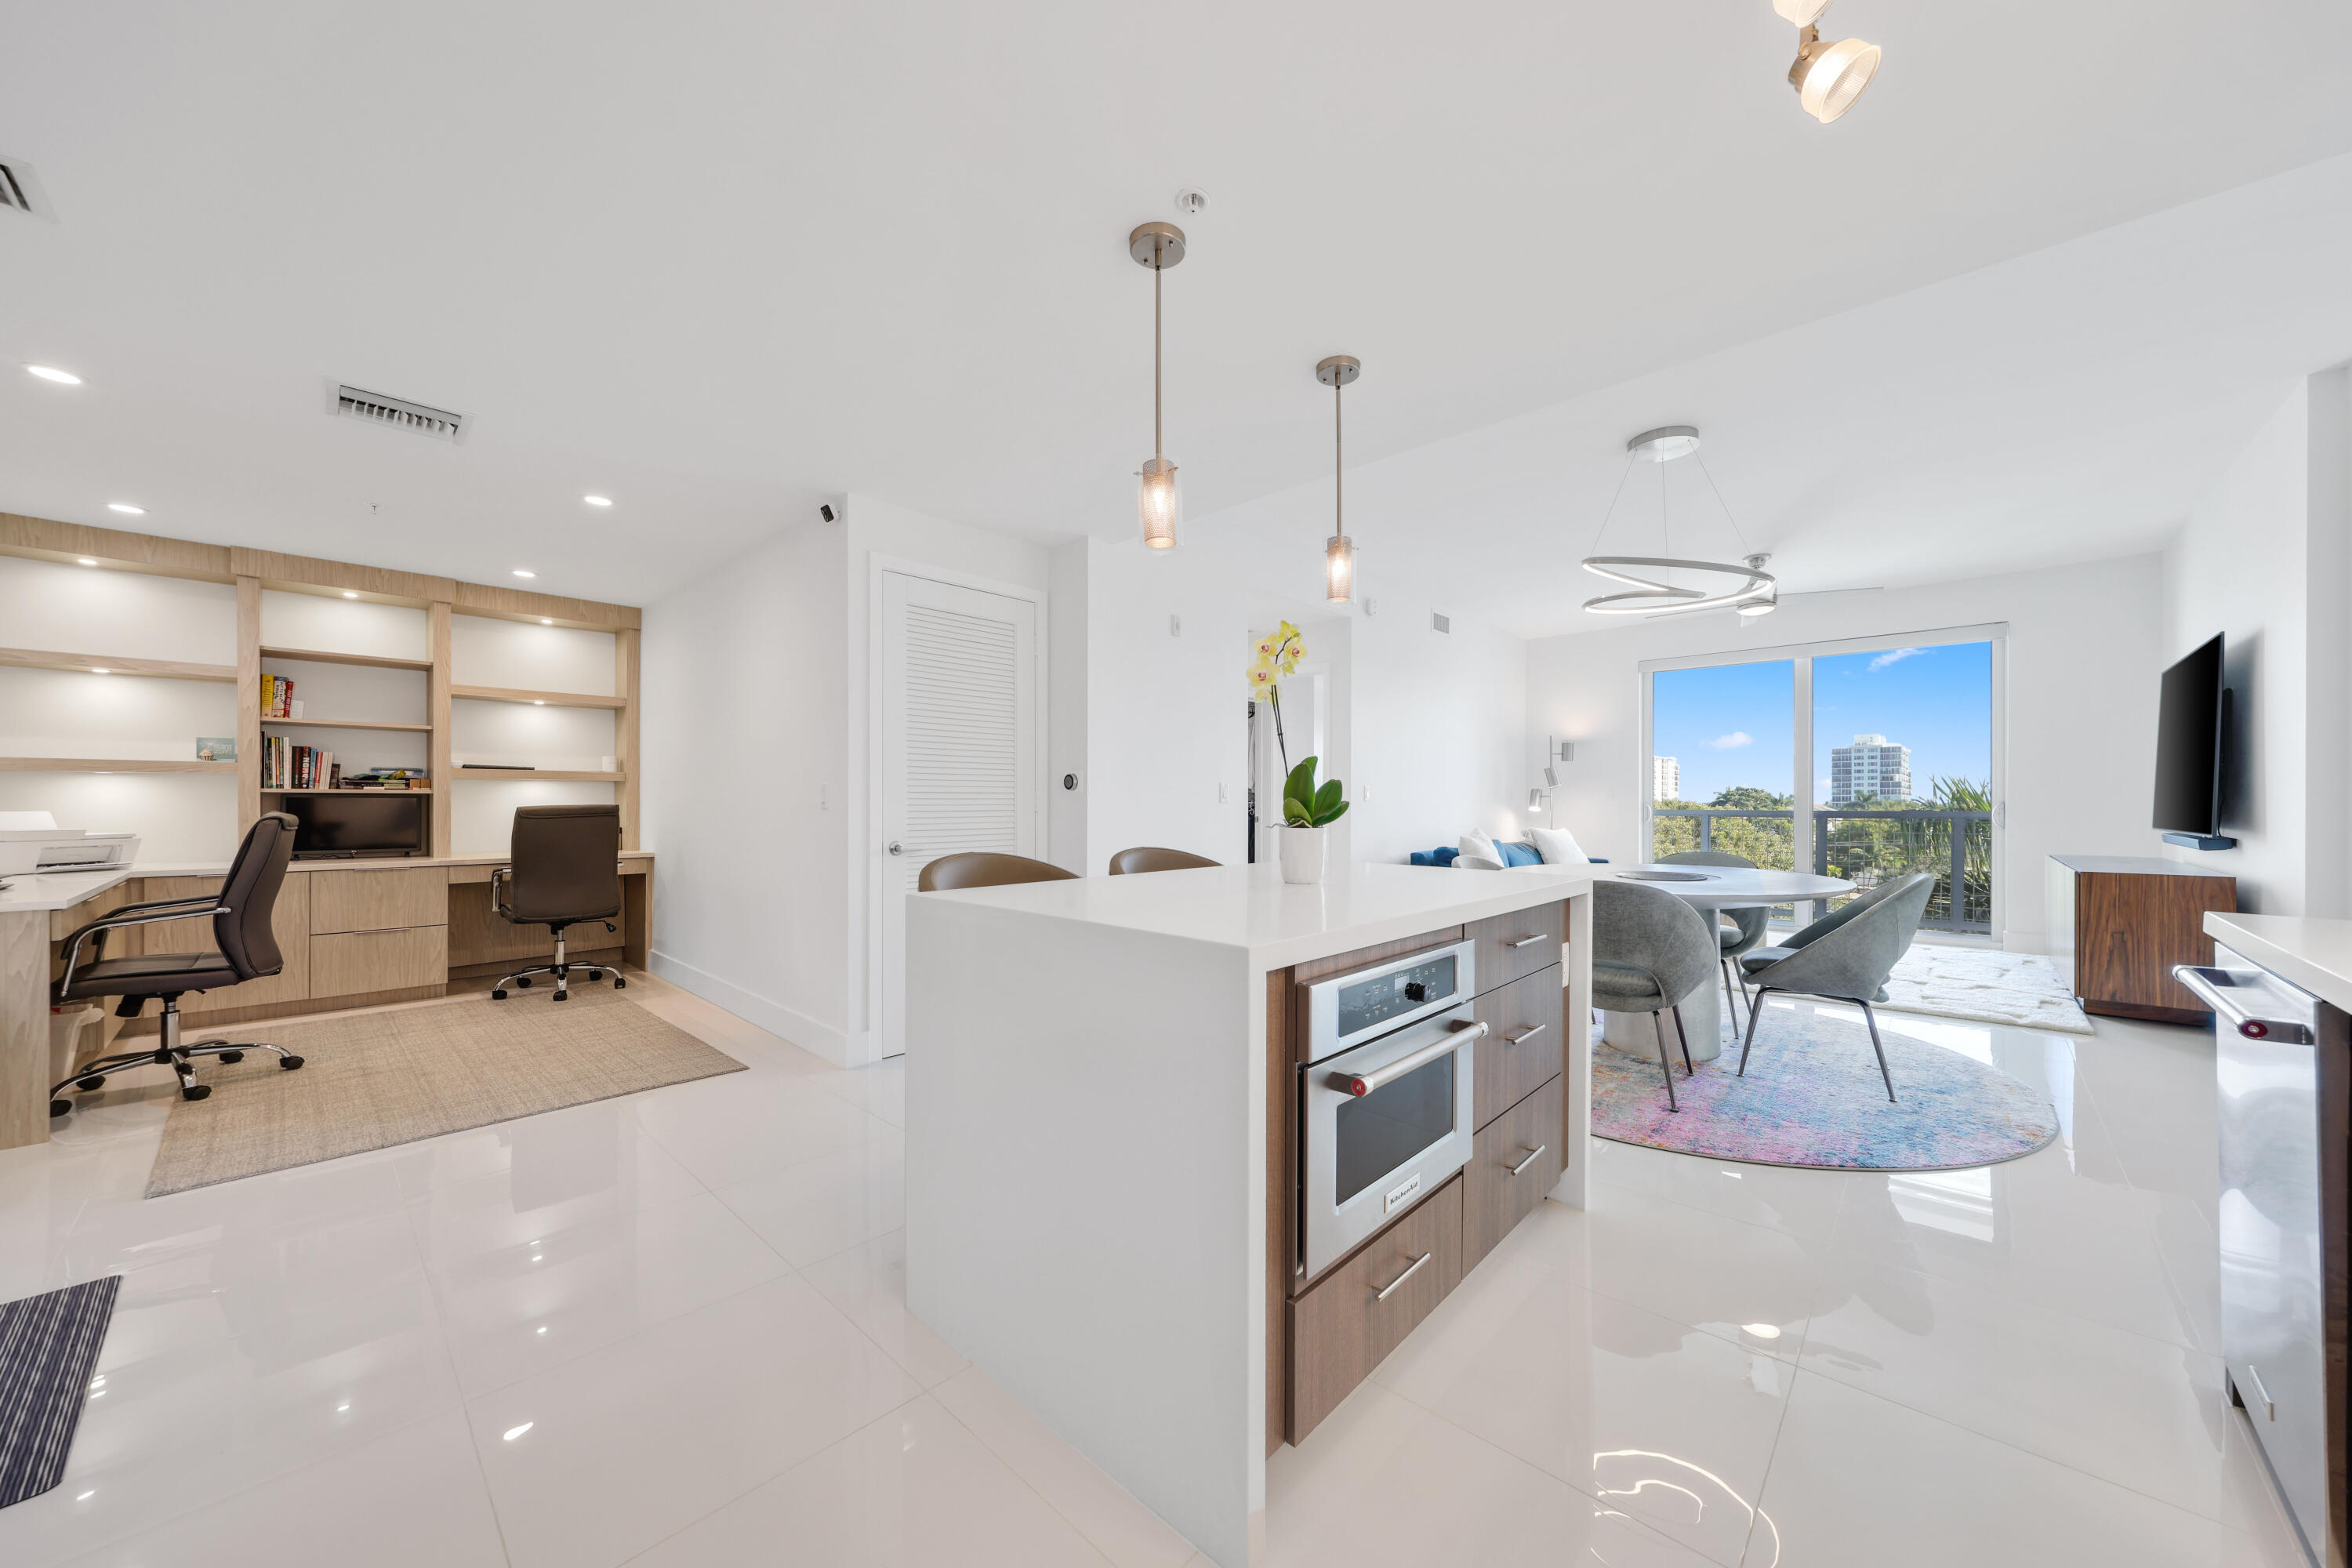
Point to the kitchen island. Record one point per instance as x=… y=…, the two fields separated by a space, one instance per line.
x=1102 y=1140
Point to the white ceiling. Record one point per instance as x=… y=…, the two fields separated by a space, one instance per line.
x=719 y=262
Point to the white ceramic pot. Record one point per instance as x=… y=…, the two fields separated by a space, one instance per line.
x=1302 y=855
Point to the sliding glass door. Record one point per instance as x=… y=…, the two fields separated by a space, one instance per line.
x=1865 y=760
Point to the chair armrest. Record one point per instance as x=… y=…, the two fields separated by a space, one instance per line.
x=500 y=877
x=149 y=913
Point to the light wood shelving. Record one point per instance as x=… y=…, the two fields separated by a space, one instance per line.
x=253 y=572
x=114 y=664
x=541 y=699
x=111 y=765
x=349 y=724
x=374 y=660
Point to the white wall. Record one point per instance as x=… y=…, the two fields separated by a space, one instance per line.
x=1440 y=732
x=2263 y=560
x=522 y=655
x=746 y=777
x=325 y=623
x=2083 y=663
x=1065 y=706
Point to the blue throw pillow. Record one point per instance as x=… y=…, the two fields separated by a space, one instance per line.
x=1519 y=854
x=1435 y=856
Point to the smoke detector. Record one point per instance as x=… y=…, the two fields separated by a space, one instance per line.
x=422 y=419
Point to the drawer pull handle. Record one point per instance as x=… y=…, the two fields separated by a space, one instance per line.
x=2270 y=1407
x=1400 y=1278
x=1526 y=940
x=1529 y=1033
x=1531 y=1159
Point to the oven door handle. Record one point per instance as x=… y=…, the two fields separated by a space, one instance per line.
x=1460 y=1034
x=2205 y=986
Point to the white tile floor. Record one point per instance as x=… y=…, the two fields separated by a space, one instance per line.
x=671 y=1330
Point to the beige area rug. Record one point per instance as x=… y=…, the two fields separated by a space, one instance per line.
x=370 y=1080
x=1984 y=985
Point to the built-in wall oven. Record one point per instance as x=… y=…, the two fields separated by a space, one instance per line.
x=1384 y=1096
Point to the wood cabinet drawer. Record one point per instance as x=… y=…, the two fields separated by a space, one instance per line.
x=1504 y=1183
x=1511 y=947
x=387 y=899
x=1520 y=1051
x=1342 y=1328
x=289 y=923
x=348 y=963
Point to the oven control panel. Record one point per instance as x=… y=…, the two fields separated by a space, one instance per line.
x=1364 y=1004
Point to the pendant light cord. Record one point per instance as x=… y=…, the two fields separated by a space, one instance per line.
x=1603 y=532
x=1742 y=538
x=1159 y=449
x=1338 y=463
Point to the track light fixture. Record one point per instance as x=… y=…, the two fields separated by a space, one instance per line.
x=1828 y=76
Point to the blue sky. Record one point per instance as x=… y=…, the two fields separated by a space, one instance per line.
x=1734 y=724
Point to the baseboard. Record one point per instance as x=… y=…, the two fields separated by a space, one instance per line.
x=818 y=1040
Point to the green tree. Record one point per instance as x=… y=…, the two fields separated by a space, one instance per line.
x=1748 y=797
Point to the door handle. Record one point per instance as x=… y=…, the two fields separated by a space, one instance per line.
x=1462 y=1034
x=894 y=849
x=1391 y=1288
x=1535 y=1154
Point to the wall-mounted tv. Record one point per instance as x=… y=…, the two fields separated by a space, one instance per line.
x=2190 y=713
x=358 y=822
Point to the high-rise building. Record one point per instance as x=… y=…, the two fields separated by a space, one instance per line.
x=1665 y=778
x=1873 y=766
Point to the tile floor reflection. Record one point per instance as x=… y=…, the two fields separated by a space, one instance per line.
x=671 y=1329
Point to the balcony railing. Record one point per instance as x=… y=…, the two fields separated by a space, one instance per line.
x=1864 y=848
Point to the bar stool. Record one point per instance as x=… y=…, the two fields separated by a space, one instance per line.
x=1146 y=858
x=986 y=868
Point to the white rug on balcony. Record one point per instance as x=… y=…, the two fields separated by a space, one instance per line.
x=1984 y=985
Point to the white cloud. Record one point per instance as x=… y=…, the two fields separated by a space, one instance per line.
x=1732 y=741
x=1895 y=656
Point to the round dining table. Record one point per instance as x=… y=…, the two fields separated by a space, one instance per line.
x=1705 y=888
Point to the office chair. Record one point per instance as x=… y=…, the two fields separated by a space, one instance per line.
x=986 y=868
x=565 y=869
x=1144 y=857
x=249 y=951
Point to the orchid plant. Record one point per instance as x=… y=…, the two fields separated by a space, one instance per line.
x=1277 y=655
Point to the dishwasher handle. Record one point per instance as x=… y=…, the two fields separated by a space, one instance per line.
x=2212 y=986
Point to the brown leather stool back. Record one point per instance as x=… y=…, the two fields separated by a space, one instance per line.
x=984 y=869
x=1145 y=859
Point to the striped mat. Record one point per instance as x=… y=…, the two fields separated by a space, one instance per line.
x=48 y=1345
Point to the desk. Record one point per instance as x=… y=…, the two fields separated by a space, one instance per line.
x=1705 y=888
x=354 y=934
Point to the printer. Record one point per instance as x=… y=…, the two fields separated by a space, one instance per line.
x=32 y=841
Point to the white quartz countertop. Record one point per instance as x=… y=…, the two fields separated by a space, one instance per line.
x=1250 y=907
x=2316 y=954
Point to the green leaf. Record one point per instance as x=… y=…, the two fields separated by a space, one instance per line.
x=1300 y=784
x=1296 y=813
x=1325 y=799
x=1336 y=811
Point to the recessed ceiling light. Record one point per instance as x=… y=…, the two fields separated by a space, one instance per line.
x=126 y=508
x=100 y=669
x=598 y=501
x=538 y=702
x=84 y=561
x=546 y=620
x=520 y=573
x=51 y=373
x=349 y=594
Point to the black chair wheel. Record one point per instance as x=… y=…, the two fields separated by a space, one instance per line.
x=232 y=1056
x=561 y=996
x=195 y=1091
x=497 y=994
x=524 y=982
x=619 y=984
x=58 y=1108
x=290 y=1063
x=95 y=1080
x=595 y=974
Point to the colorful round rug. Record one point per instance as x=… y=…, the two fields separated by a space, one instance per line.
x=1812 y=1097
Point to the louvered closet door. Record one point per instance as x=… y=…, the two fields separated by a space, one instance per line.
x=960 y=765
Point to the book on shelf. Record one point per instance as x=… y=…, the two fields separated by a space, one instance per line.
x=285 y=765
x=278 y=698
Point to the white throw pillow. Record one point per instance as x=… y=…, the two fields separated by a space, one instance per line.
x=1557 y=846
x=1479 y=854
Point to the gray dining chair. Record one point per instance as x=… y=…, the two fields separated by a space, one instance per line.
x=1746 y=933
x=1650 y=949
x=1846 y=956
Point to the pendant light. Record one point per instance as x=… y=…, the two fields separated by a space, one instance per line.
x=1748 y=588
x=1828 y=77
x=1340 y=550
x=1158 y=504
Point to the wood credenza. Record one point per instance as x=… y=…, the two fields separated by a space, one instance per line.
x=2119 y=923
x=1326 y=1333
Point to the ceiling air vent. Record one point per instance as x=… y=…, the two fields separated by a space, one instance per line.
x=19 y=191
x=375 y=408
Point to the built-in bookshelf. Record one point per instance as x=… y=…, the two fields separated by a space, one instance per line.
x=376 y=657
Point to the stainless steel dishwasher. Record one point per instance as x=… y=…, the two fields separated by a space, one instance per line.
x=2280 y=1061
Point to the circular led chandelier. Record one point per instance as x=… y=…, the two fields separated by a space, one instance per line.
x=1747 y=588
